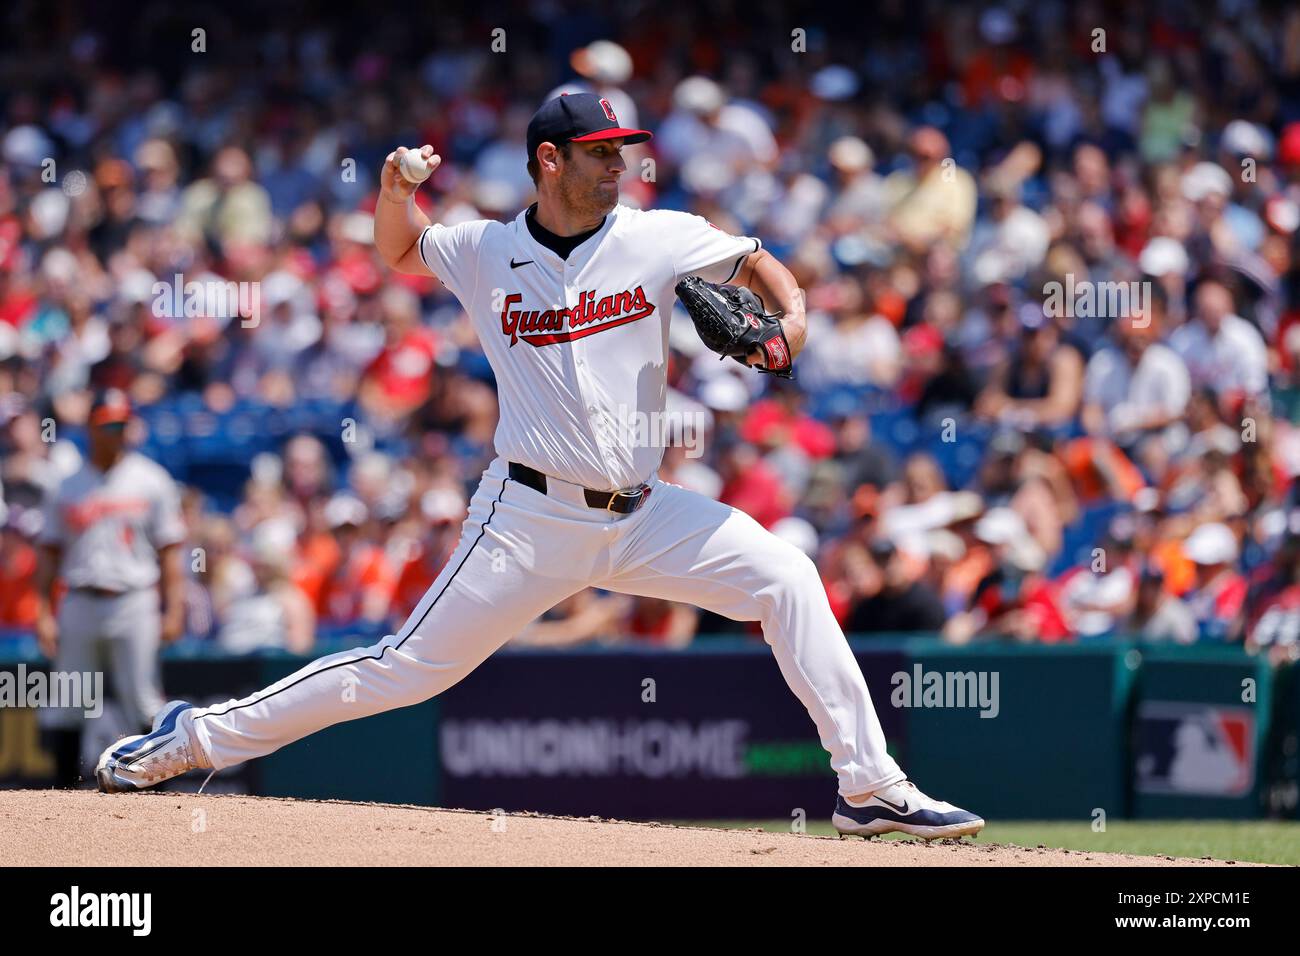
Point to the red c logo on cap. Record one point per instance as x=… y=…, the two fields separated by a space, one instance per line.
x=609 y=110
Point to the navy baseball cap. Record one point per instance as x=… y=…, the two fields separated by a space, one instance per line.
x=578 y=117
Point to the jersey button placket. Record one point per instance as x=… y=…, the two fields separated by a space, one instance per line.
x=594 y=420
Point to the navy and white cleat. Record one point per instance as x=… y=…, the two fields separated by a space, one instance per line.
x=902 y=808
x=140 y=762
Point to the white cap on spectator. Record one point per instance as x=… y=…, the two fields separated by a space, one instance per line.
x=1221 y=438
x=798 y=532
x=27 y=146
x=999 y=526
x=1283 y=214
x=59 y=265
x=724 y=393
x=1206 y=179
x=603 y=61
x=1212 y=543
x=851 y=155
x=442 y=504
x=280 y=287
x=274 y=541
x=997 y=25
x=1243 y=138
x=1163 y=256
x=699 y=95
x=358 y=227
x=370 y=469
x=943 y=543
x=1004 y=527
x=682 y=336
x=28 y=522
x=48 y=213
x=1272 y=525
x=938 y=511
x=267 y=468
x=707 y=173
x=344 y=509
x=494 y=195
x=834 y=83
x=136 y=286
x=1146 y=499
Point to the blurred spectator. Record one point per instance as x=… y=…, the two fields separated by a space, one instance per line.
x=934 y=201
x=18 y=598
x=1220 y=348
x=660 y=623
x=1040 y=383
x=851 y=345
x=750 y=484
x=1095 y=599
x=892 y=600
x=585 y=616
x=1158 y=615
x=363 y=582
x=1012 y=600
x=274 y=614
x=857 y=197
x=1137 y=388
x=713 y=141
x=228 y=209
x=443 y=511
x=1018 y=476
x=397 y=380
x=1012 y=241
x=1217 y=599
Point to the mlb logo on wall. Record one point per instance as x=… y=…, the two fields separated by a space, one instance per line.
x=1189 y=749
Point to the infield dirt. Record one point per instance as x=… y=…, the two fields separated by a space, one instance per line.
x=86 y=828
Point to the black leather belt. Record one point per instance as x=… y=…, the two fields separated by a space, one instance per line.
x=619 y=502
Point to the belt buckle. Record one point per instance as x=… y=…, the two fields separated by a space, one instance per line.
x=635 y=494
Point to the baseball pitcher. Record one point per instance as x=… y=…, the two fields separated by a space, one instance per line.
x=571 y=301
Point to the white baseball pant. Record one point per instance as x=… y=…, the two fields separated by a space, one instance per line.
x=521 y=552
x=120 y=634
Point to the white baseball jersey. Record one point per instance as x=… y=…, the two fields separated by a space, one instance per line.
x=579 y=347
x=111 y=524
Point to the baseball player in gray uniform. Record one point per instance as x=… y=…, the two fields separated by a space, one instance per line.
x=112 y=534
x=571 y=302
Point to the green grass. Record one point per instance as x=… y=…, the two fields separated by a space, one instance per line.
x=1256 y=841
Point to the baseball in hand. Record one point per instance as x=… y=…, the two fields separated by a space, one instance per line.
x=415 y=168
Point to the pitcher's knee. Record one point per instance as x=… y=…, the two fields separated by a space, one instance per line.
x=794 y=580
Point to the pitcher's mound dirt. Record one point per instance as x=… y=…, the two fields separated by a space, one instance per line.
x=85 y=828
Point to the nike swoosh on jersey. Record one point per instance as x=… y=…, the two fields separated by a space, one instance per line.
x=516 y=265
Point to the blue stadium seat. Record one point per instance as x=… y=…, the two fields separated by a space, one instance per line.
x=896 y=429
x=960 y=460
x=1085 y=534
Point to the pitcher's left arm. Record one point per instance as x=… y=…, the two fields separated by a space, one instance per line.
x=764 y=274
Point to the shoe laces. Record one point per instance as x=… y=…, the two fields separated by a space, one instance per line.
x=169 y=762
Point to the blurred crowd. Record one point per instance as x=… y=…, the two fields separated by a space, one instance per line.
x=983 y=438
